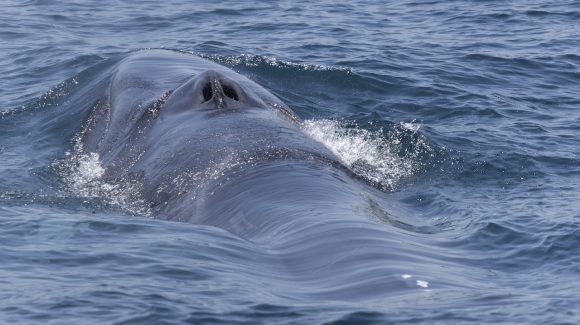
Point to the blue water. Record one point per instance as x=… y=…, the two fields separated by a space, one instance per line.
x=464 y=113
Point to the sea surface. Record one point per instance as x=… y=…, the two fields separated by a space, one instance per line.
x=465 y=114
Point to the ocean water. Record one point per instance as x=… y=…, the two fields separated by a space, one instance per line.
x=465 y=114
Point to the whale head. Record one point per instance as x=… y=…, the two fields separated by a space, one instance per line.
x=179 y=126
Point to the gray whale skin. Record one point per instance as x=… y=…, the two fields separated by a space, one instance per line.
x=205 y=145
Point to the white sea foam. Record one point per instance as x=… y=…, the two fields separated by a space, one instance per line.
x=367 y=153
x=84 y=177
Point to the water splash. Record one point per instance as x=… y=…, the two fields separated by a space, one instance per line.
x=368 y=153
x=84 y=177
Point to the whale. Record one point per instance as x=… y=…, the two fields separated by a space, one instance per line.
x=206 y=145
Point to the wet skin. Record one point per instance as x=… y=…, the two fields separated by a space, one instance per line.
x=206 y=145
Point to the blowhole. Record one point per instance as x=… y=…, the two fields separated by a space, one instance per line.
x=230 y=92
x=207 y=92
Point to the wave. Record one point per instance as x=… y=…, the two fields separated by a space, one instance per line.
x=251 y=60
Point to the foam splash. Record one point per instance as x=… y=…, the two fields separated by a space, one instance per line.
x=85 y=179
x=83 y=175
x=367 y=153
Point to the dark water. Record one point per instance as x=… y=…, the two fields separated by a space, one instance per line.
x=465 y=112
